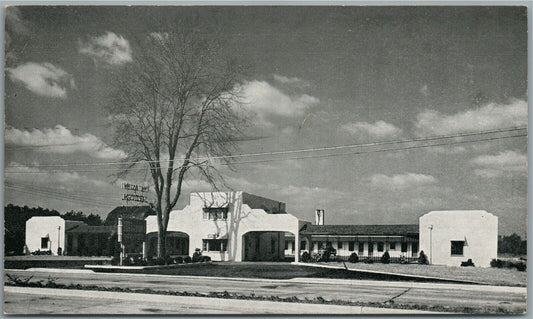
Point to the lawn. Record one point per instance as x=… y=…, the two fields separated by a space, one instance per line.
x=279 y=270
x=493 y=276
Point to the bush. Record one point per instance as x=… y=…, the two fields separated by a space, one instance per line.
x=518 y=264
x=422 y=258
x=187 y=259
x=306 y=257
x=467 y=263
x=178 y=260
x=353 y=258
x=205 y=259
x=369 y=261
x=197 y=255
x=385 y=259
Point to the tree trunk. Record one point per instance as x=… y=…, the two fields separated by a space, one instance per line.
x=161 y=243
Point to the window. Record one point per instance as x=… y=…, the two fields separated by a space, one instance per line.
x=214 y=244
x=286 y=245
x=339 y=245
x=380 y=246
x=392 y=246
x=216 y=213
x=302 y=245
x=370 y=249
x=404 y=247
x=44 y=242
x=457 y=247
x=361 y=248
x=351 y=245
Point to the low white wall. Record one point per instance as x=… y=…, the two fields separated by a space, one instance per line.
x=479 y=230
x=45 y=226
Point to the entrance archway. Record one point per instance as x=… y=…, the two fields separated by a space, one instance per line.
x=177 y=244
x=267 y=246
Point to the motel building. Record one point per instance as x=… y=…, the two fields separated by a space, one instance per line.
x=238 y=226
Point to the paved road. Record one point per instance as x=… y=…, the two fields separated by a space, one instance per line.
x=45 y=301
x=477 y=297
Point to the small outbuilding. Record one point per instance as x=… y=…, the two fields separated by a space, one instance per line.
x=451 y=237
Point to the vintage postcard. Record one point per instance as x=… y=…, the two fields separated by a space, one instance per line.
x=304 y=160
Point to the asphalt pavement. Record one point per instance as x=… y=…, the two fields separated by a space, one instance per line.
x=474 y=298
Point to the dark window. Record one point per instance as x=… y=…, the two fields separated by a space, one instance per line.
x=392 y=246
x=339 y=245
x=214 y=244
x=216 y=213
x=272 y=245
x=370 y=249
x=351 y=245
x=44 y=242
x=404 y=247
x=286 y=245
x=414 y=248
x=302 y=245
x=380 y=246
x=361 y=248
x=457 y=247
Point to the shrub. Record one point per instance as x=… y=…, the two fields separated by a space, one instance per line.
x=178 y=260
x=369 y=261
x=187 y=259
x=205 y=259
x=306 y=257
x=499 y=263
x=422 y=258
x=385 y=259
x=467 y=263
x=197 y=255
x=353 y=258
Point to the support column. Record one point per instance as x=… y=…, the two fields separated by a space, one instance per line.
x=297 y=246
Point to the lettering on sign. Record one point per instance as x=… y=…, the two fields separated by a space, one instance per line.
x=134 y=198
x=134 y=187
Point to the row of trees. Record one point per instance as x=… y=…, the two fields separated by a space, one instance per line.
x=512 y=244
x=15 y=218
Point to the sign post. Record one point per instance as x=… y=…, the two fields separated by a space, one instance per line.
x=119 y=234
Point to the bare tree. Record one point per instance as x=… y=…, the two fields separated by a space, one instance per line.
x=174 y=108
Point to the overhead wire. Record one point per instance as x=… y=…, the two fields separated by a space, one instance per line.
x=289 y=158
x=283 y=152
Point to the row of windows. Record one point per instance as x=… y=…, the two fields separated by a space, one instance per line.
x=351 y=246
x=216 y=213
x=214 y=244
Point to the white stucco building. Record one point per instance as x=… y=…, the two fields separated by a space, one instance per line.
x=227 y=226
x=451 y=237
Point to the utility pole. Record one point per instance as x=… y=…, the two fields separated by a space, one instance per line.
x=58 y=238
x=430 y=244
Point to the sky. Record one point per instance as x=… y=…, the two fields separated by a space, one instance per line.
x=316 y=77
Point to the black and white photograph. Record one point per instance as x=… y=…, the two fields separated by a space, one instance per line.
x=248 y=159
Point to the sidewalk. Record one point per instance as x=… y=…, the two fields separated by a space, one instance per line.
x=60 y=301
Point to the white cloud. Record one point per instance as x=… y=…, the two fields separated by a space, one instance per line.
x=41 y=78
x=266 y=101
x=16 y=172
x=424 y=90
x=488 y=117
x=379 y=129
x=60 y=140
x=110 y=48
x=401 y=181
x=496 y=165
x=290 y=81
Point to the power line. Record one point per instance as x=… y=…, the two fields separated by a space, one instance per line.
x=58 y=197
x=300 y=157
x=325 y=148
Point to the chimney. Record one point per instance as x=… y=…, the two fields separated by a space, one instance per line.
x=319 y=217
